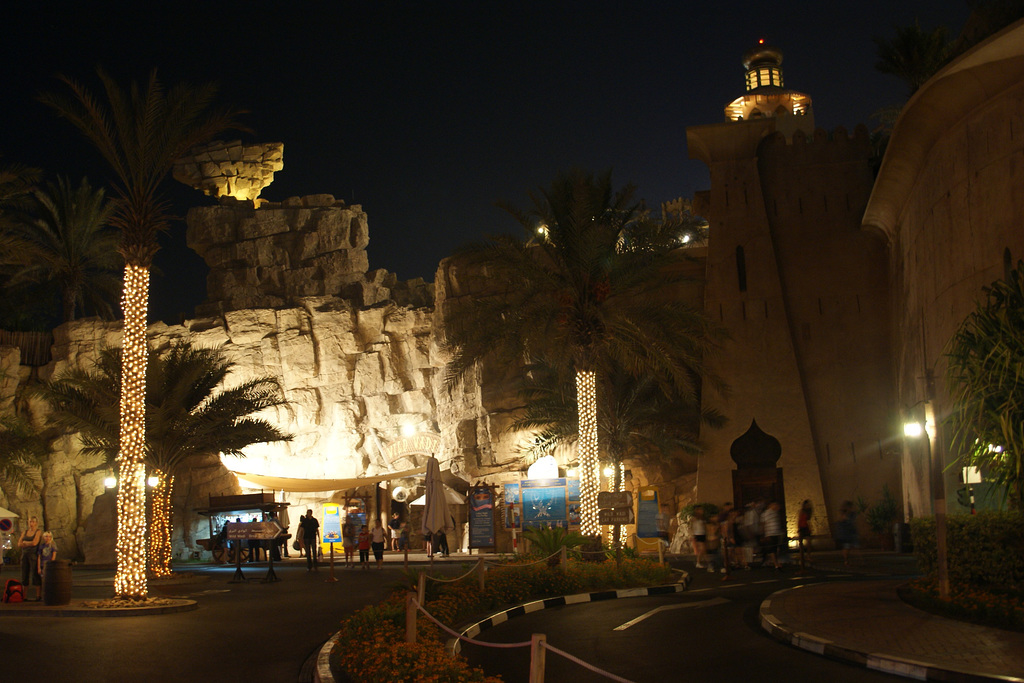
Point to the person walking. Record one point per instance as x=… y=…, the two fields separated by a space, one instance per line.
x=803 y=532
x=29 y=544
x=846 y=530
x=378 y=537
x=310 y=529
x=699 y=534
x=771 y=523
x=348 y=535
x=394 y=526
x=364 y=547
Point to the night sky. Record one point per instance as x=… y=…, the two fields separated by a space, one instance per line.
x=427 y=114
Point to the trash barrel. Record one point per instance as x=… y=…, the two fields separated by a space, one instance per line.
x=57 y=583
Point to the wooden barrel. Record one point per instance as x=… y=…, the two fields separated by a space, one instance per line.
x=57 y=583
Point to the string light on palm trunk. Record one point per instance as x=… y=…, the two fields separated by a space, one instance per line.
x=130 y=579
x=586 y=397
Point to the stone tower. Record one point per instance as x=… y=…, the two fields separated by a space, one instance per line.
x=802 y=290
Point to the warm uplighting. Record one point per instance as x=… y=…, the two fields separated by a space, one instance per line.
x=152 y=481
x=608 y=472
x=110 y=482
x=408 y=429
x=586 y=398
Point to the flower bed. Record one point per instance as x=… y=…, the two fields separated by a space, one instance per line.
x=990 y=607
x=371 y=644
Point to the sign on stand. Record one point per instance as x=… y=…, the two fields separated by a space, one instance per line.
x=616 y=516
x=332 y=532
x=615 y=507
x=252 y=531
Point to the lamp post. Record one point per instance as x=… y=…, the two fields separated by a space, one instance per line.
x=925 y=430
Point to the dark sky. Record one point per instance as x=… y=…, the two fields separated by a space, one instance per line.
x=429 y=113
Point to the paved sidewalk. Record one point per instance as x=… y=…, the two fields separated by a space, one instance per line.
x=867 y=623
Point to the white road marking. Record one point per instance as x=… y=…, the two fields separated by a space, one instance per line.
x=703 y=603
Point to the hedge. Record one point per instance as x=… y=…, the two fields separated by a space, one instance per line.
x=986 y=549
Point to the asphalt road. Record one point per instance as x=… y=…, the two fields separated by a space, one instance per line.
x=250 y=632
x=707 y=633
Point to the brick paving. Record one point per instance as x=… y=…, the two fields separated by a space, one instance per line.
x=866 y=621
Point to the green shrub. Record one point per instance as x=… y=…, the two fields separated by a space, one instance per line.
x=986 y=549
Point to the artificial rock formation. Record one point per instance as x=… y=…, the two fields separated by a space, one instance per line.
x=231 y=169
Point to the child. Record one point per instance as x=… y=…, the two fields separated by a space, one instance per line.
x=47 y=553
x=364 y=547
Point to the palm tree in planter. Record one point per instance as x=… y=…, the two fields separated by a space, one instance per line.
x=188 y=414
x=140 y=133
x=584 y=288
x=637 y=422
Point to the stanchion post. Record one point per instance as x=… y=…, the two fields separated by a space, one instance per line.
x=661 y=551
x=421 y=587
x=405 y=546
x=480 y=572
x=331 y=580
x=410 y=617
x=537 y=641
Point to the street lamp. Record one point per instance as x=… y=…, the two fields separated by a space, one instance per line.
x=925 y=430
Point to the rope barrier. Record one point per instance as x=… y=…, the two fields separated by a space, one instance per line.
x=459 y=578
x=467 y=638
x=579 y=661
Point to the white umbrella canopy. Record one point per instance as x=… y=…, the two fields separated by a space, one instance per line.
x=7 y=514
x=451 y=495
x=436 y=515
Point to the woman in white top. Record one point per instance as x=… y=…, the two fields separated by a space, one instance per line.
x=699 y=530
x=378 y=536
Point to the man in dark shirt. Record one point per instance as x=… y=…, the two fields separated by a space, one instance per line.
x=311 y=534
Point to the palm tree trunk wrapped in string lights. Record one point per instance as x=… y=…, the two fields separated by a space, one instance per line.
x=140 y=132
x=575 y=292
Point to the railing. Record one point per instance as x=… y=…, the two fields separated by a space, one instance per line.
x=538 y=642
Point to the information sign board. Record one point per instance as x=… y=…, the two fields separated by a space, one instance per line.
x=614 y=499
x=481 y=517
x=616 y=516
x=544 y=503
x=331 y=530
x=252 y=531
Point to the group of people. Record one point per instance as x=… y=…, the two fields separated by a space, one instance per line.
x=37 y=551
x=734 y=537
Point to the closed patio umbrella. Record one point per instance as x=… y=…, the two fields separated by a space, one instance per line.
x=436 y=515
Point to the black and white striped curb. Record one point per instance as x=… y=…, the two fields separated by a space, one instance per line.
x=898 y=666
x=455 y=645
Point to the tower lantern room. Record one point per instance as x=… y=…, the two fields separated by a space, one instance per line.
x=765 y=95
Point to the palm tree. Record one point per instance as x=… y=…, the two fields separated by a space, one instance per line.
x=636 y=420
x=187 y=415
x=140 y=133
x=584 y=290
x=65 y=241
x=914 y=55
x=22 y=450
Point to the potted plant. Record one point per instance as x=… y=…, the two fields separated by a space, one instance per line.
x=882 y=515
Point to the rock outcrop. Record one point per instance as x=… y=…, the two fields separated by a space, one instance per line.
x=230 y=169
